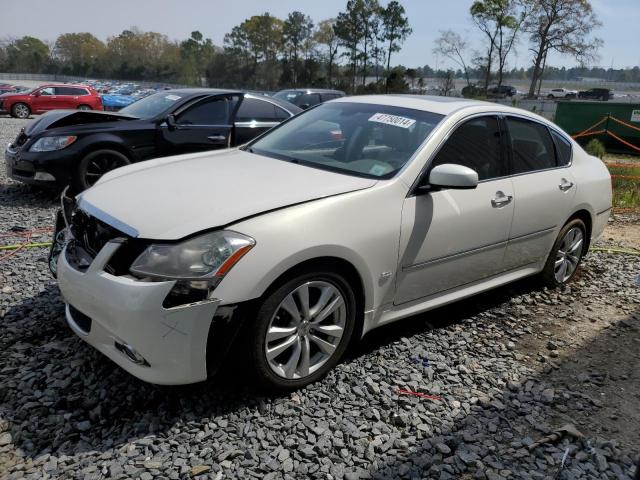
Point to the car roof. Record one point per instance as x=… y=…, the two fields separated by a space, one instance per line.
x=428 y=103
x=74 y=85
x=201 y=91
x=312 y=90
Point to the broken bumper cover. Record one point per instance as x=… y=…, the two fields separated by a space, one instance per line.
x=124 y=319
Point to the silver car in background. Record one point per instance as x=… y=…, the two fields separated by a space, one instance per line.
x=357 y=213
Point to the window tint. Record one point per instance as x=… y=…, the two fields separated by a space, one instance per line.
x=563 y=149
x=47 y=91
x=252 y=109
x=281 y=114
x=310 y=99
x=329 y=96
x=207 y=112
x=532 y=146
x=475 y=144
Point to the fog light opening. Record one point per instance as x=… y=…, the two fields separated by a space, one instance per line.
x=47 y=177
x=130 y=352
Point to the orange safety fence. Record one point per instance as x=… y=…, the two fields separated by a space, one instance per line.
x=588 y=132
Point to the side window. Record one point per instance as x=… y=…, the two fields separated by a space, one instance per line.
x=252 y=109
x=281 y=114
x=79 y=91
x=531 y=145
x=47 y=91
x=207 y=112
x=310 y=99
x=563 y=149
x=65 y=91
x=475 y=144
x=328 y=96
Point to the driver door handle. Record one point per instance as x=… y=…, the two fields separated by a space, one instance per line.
x=565 y=185
x=500 y=200
x=217 y=138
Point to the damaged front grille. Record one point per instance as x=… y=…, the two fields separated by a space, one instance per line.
x=90 y=235
x=21 y=139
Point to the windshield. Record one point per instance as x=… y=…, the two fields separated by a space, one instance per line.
x=152 y=105
x=373 y=141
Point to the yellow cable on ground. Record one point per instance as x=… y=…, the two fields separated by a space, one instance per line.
x=615 y=250
x=28 y=245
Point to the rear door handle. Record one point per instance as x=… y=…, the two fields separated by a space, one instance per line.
x=217 y=138
x=565 y=185
x=500 y=200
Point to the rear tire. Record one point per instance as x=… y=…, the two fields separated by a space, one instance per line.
x=96 y=164
x=566 y=254
x=315 y=344
x=84 y=107
x=20 y=110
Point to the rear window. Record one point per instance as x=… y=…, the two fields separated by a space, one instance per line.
x=563 y=149
x=531 y=145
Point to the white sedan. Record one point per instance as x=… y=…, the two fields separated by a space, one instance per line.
x=356 y=213
x=562 y=93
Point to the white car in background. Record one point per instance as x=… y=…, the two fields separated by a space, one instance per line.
x=562 y=93
x=357 y=213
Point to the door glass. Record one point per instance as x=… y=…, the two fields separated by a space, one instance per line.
x=207 y=112
x=531 y=145
x=47 y=91
x=254 y=110
x=563 y=149
x=475 y=144
x=65 y=91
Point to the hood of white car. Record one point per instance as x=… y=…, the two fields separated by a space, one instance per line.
x=171 y=198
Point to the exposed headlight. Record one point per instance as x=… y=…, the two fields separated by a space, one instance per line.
x=49 y=144
x=207 y=257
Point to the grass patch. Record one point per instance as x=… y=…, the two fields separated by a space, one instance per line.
x=626 y=191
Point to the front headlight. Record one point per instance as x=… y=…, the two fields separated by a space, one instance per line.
x=207 y=257
x=49 y=144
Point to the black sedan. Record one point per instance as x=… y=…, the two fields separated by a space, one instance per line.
x=77 y=147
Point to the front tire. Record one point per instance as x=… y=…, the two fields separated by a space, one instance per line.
x=96 y=164
x=20 y=110
x=301 y=330
x=566 y=254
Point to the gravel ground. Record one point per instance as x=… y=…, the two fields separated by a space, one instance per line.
x=509 y=367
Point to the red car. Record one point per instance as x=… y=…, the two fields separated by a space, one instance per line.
x=50 y=97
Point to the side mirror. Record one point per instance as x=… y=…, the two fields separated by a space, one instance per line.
x=36 y=94
x=449 y=175
x=171 y=121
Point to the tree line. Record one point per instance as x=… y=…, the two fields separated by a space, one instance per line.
x=263 y=52
x=352 y=51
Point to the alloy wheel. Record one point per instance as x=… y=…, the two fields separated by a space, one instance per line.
x=568 y=255
x=100 y=165
x=22 y=111
x=305 y=330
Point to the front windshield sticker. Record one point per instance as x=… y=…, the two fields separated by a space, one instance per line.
x=173 y=98
x=395 y=120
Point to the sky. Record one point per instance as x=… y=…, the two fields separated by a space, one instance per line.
x=178 y=18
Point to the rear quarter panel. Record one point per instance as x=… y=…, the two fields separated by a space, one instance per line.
x=593 y=192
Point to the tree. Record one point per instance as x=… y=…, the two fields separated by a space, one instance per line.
x=297 y=31
x=446 y=83
x=395 y=29
x=348 y=29
x=369 y=12
x=27 y=54
x=564 y=26
x=196 y=54
x=326 y=36
x=498 y=21
x=454 y=47
x=80 y=53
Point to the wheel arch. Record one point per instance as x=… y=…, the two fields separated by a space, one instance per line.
x=94 y=143
x=338 y=265
x=584 y=214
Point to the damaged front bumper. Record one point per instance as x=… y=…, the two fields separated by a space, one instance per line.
x=124 y=319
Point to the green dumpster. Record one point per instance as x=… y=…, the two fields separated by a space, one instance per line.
x=617 y=125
